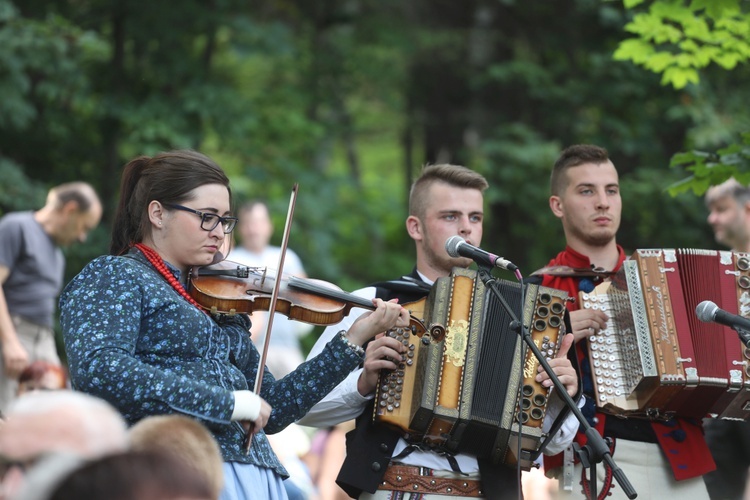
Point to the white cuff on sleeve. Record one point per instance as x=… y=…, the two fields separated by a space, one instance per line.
x=246 y=406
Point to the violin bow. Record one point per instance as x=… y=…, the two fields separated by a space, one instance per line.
x=274 y=297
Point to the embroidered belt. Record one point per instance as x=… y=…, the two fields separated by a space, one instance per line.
x=407 y=478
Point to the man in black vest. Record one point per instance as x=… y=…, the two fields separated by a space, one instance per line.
x=446 y=200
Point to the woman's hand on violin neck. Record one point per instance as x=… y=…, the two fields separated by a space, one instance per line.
x=383 y=353
x=386 y=315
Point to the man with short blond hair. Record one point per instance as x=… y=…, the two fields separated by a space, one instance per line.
x=445 y=201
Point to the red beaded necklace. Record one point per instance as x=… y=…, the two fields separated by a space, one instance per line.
x=158 y=263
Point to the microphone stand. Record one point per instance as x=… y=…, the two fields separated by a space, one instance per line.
x=595 y=450
x=744 y=335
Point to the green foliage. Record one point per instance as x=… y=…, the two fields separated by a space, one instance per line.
x=17 y=191
x=678 y=38
x=709 y=169
x=349 y=99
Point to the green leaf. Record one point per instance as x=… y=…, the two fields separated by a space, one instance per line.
x=634 y=49
x=660 y=61
x=716 y=8
x=727 y=60
x=679 y=77
x=629 y=4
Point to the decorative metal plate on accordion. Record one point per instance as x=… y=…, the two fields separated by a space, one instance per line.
x=655 y=358
x=460 y=388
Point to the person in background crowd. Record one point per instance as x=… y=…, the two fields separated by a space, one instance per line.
x=660 y=459
x=32 y=267
x=255 y=226
x=42 y=423
x=446 y=200
x=134 y=475
x=185 y=439
x=135 y=337
x=284 y=349
x=729 y=440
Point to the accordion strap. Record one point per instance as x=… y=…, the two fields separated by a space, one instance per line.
x=417 y=446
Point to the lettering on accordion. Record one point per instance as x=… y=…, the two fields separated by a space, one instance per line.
x=471 y=386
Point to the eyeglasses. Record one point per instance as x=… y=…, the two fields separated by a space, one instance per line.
x=208 y=221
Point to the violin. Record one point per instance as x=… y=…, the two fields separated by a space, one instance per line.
x=229 y=288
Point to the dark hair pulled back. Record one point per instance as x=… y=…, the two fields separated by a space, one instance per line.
x=168 y=177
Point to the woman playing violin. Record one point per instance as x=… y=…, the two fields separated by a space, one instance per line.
x=137 y=339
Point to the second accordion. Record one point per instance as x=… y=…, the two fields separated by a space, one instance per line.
x=655 y=358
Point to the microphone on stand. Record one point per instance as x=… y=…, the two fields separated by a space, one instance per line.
x=709 y=312
x=456 y=246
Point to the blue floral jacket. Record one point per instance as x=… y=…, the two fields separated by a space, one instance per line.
x=132 y=340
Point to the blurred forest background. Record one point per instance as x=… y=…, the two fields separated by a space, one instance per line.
x=350 y=98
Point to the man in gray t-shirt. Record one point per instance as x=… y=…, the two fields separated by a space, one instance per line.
x=31 y=273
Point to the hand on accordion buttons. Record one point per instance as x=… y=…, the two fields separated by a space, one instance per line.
x=386 y=315
x=587 y=322
x=383 y=353
x=562 y=367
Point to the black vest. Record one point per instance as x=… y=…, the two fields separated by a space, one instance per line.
x=369 y=447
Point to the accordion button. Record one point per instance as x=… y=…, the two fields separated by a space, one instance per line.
x=384 y=448
x=375 y=466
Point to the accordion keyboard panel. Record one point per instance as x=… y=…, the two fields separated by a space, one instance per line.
x=613 y=352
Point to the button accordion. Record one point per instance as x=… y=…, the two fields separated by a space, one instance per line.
x=467 y=384
x=655 y=358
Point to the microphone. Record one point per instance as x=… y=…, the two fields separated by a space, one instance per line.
x=456 y=246
x=708 y=312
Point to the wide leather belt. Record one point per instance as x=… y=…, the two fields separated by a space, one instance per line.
x=411 y=479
